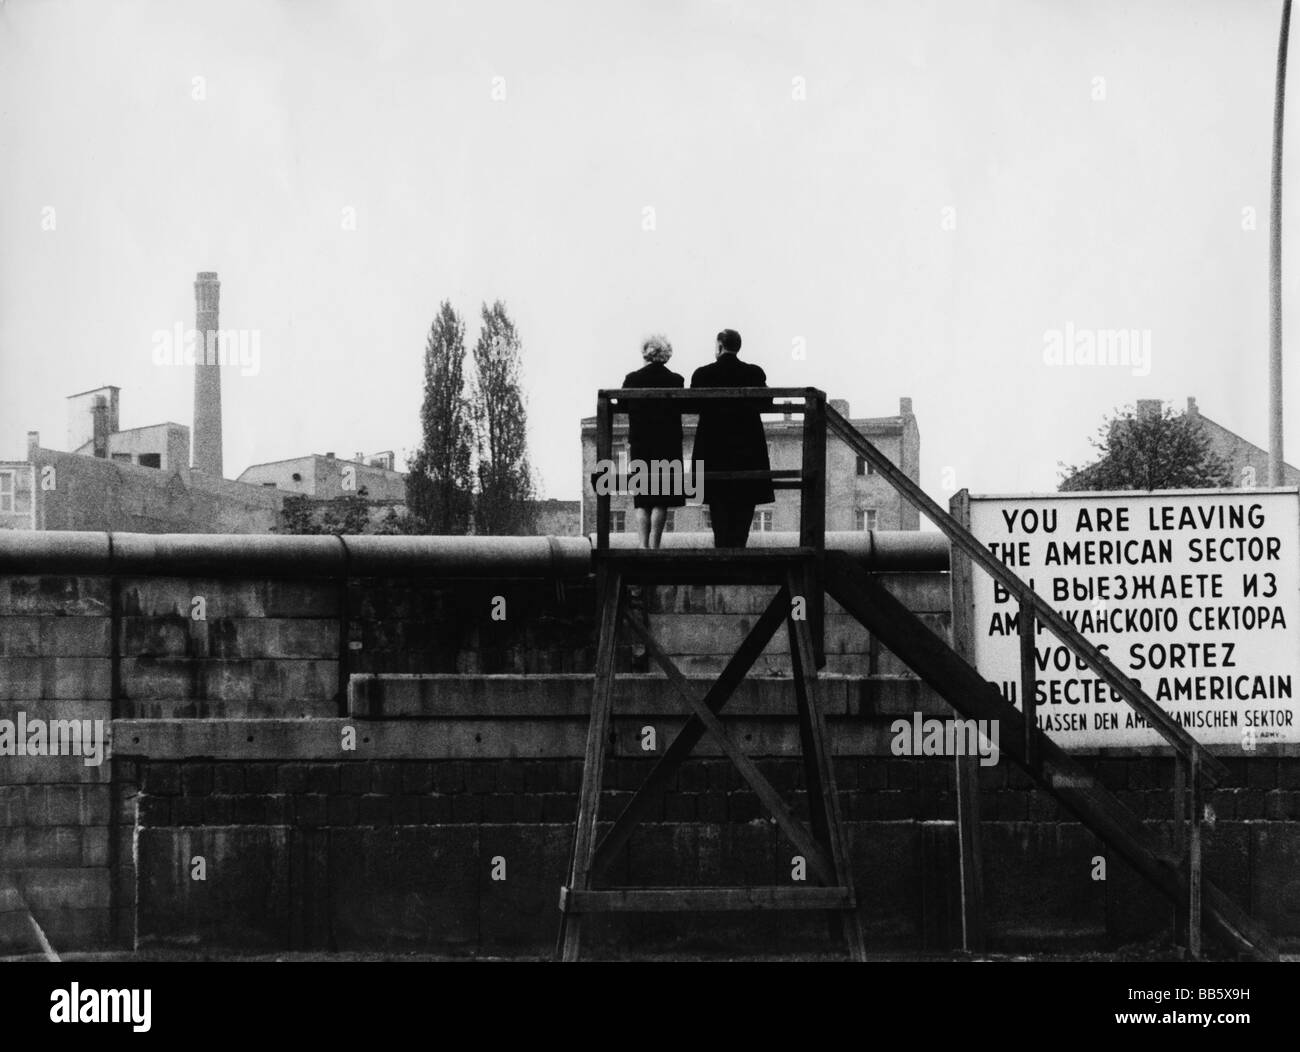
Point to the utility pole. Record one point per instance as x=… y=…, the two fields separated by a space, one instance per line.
x=1275 y=264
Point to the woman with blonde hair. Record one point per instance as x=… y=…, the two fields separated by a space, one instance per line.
x=655 y=434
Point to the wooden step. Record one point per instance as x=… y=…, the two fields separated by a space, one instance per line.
x=667 y=900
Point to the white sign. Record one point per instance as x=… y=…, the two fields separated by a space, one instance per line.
x=1193 y=594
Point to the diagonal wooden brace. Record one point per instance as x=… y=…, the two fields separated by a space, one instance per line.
x=692 y=731
x=818 y=860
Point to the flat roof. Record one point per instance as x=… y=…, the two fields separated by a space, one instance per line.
x=149 y=427
x=319 y=456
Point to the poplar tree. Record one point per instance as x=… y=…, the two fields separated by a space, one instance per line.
x=440 y=479
x=505 y=483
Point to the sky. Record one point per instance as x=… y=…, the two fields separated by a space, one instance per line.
x=885 y=199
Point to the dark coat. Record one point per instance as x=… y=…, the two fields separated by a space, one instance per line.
x=654 y=433
x=730 y=437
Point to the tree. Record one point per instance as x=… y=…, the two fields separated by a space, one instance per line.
x=297 y=515
x=505 y=484
x=349 y=514
x=1150 y=450
x=440 y=480
x=393 y=524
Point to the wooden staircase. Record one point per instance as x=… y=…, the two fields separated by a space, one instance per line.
x=944 y=670
x=1175 y=874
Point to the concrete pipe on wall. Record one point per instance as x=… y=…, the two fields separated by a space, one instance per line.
x=283 y=556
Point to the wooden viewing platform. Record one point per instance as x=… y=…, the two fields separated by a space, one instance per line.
x=807 y=572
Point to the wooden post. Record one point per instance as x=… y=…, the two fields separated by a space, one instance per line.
x=604 y=452
x=968 y=799
x=1194 y=857
x=819 y=766
x=1180 y=914
x=593 y=768
x=812 y=516
x=1028 y=680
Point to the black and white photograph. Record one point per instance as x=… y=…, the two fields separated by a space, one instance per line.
x=648 y=483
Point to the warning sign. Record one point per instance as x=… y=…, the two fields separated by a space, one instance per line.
x=1194 y=594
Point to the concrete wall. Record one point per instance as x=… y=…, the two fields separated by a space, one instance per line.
x=230 y=744
x=95 y=494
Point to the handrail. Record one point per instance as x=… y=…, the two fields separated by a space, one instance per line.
x=711 y=394
x=1182 y=742
x=809 y=479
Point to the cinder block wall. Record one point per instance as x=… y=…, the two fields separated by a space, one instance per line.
x=230 y=762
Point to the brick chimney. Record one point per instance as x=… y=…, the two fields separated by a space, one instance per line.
x=207 y=377
x=99 y=434
x=1192 y=410
x=33 y=443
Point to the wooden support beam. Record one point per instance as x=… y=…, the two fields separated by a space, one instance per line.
x=611 y=594
x=823 y=798
x=1179 y=909
x=971 y=855
x=1194 y=861
x=817 y=858
x=1028 y=680
x=967 y=691
x=690 y=734
x=970 y=843
x=812 y=518
x=604 y=454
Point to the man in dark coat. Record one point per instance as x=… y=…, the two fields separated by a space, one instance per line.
x=729 y=437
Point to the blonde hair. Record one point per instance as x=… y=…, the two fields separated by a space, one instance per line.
x=656 y=348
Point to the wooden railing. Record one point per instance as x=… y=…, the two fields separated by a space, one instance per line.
x=809 y=479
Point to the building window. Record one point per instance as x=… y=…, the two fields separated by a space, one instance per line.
x=864 y=519
x=668 y=520
x=617 y=521
x=150 y=460
x=7 y=491
x=865 y=467
x=708 y=517
x=762 y=522
x=122 y=458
